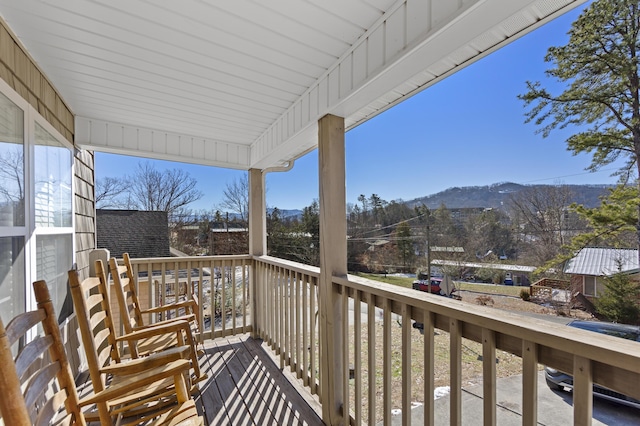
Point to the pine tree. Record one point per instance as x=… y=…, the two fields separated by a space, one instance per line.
x=600 y=69
x=405 y=245
x=619 y=301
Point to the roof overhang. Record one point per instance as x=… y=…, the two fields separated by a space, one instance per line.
x=242 y=84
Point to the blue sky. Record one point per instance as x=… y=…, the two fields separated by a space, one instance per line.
x=466 y=130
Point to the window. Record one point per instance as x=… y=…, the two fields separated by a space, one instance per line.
x=589 y=286
x=600 y=286
x=12 y=279
x=52 y=181
x=36 y=206
x=12 y=181
x=54 y=257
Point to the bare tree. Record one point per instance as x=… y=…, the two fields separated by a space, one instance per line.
x=108 y=191
x=236 y=197
x=167 y=190
x=12 y=174
x=12 y=181
x=542 y=214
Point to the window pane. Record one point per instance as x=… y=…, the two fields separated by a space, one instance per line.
x=53 y=260
x=589 y=286
x=52 y=181
x=11 y=163
x=12 y=285
x=600 y=286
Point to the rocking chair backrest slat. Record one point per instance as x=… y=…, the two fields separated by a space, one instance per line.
x=49 y=389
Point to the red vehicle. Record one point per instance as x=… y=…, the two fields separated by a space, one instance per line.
x=439 y=287
x=423 y=285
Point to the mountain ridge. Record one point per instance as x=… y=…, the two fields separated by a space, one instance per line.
x=496 y=195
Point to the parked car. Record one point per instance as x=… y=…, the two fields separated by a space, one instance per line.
x=557 y=380
x=422 y=284
x=437 y=287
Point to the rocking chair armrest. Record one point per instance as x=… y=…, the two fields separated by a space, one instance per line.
x=138 y=381
x=184 y=304
x=188 y=318
x=154 y=330
x=157 y=359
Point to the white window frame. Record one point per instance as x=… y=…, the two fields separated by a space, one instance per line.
x=29 y=231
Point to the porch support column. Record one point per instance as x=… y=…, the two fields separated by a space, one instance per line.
x=333 y=262
x=257 y=236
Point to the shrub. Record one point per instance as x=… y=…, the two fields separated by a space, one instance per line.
x=524 y=295
x=484 y=300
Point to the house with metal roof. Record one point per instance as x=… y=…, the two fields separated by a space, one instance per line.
x=591 y=265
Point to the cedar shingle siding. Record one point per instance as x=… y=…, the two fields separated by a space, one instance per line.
x=139 y=233
x=20 y=72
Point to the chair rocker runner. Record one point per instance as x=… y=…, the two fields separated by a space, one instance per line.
x=42 y=370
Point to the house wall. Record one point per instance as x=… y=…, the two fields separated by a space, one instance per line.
x=578 y=283
x=23 y=75
x=85 y=211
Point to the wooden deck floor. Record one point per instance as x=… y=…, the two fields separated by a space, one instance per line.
x=246 y=387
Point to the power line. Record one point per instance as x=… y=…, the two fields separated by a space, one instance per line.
x=566 y=176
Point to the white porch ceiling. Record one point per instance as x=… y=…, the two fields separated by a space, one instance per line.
x=242 y=83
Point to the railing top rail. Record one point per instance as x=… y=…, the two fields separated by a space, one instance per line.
x=614 y=351
x=145 y=260
x=294 y=266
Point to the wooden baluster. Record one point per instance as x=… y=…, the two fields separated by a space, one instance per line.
x=386 y=362
x=429 y=387
x=455 y=349
x=345 y=355
x=371 y=362
x=489 y=376
x=357 y=351
x=582 y=391
x=312 y=338
x=406 y=364
x=305 y=330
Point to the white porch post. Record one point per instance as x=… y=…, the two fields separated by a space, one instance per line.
x=333 y=262
x=257 y=236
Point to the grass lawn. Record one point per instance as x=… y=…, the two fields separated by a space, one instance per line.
x=507 y=290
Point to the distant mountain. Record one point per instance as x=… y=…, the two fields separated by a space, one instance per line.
x=285 y=213
x=497 y=195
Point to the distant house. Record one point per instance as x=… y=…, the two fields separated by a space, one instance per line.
x=139 y=233
x=591 y=265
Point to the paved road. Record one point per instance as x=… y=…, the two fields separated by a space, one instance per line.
x=554 y=408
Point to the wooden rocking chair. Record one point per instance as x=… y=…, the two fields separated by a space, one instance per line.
x=42 y=371
x=124 y=274
x=91 y=303
x=132 y=315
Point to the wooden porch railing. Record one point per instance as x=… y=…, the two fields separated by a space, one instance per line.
x=220 y=283
x=287 y=315
x=285 y=300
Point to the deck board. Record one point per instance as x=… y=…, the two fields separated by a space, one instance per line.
x=245 y=387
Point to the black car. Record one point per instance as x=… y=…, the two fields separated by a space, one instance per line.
x=557 y=380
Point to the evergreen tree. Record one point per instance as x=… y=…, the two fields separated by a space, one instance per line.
x=406 y=251
x=619 y=302
x=600 y=69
